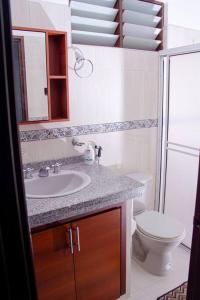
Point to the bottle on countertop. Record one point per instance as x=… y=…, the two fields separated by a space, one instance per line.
x=89 y=154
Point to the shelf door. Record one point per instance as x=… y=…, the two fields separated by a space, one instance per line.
x=97 y=256
x=54 y=266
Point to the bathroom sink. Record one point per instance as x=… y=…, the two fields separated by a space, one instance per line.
x=56 y=185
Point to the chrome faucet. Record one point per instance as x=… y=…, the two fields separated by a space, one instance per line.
x=44 y=172
x=76 y=142
x=28 y=173
x=56 y=167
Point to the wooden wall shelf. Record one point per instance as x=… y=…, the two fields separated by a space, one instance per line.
x=58 y=95
x=57 y=53
x=57 y=75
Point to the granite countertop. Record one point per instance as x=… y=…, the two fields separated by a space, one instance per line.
x=106 y=189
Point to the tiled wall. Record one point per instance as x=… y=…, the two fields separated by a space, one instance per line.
x=178 y=36
x=179 y=29
x=123 y=87
x=49 y=14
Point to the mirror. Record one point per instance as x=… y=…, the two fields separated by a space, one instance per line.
x=30 y=75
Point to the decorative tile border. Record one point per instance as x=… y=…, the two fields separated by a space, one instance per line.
x=62 y=161
x=55 y=133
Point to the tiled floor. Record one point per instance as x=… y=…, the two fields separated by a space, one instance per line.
x=146 y=286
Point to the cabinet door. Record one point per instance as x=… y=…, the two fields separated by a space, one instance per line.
x=97 y=262
x=54 y=264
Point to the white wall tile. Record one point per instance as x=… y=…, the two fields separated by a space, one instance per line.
x=124 y=86
x=20 y=13
x=42 y=14
x=178 y=36
x=124 y=152
x=117 y=91
x=49 y=15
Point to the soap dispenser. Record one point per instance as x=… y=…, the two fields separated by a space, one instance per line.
x=89 y=154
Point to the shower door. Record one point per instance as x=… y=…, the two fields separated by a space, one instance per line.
x=182 y=139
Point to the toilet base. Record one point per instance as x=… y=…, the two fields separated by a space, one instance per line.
x=154 y=254
x=159 y=265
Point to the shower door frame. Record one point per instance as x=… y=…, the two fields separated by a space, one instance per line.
x=163 y=121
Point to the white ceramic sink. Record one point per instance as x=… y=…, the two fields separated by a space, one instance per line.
x=56 y=185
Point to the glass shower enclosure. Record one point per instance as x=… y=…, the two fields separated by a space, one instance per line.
x=180 y=137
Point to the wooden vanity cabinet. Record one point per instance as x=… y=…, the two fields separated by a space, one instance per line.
x=54 y=266
x=87 y=268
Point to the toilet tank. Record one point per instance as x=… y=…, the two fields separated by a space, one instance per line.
x=141 y=203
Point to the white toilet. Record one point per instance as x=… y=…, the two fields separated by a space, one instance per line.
x=156 y=235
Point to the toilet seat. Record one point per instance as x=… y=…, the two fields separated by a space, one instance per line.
x=157 y=239
x=159 y=226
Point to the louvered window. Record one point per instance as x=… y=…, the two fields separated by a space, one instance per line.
x=135 y=24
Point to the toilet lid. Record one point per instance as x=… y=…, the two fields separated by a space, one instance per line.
x=158 y=225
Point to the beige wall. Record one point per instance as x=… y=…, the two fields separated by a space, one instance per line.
x=51 y=14
x=178 y=36
x=124 y=87
x=179 y=29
